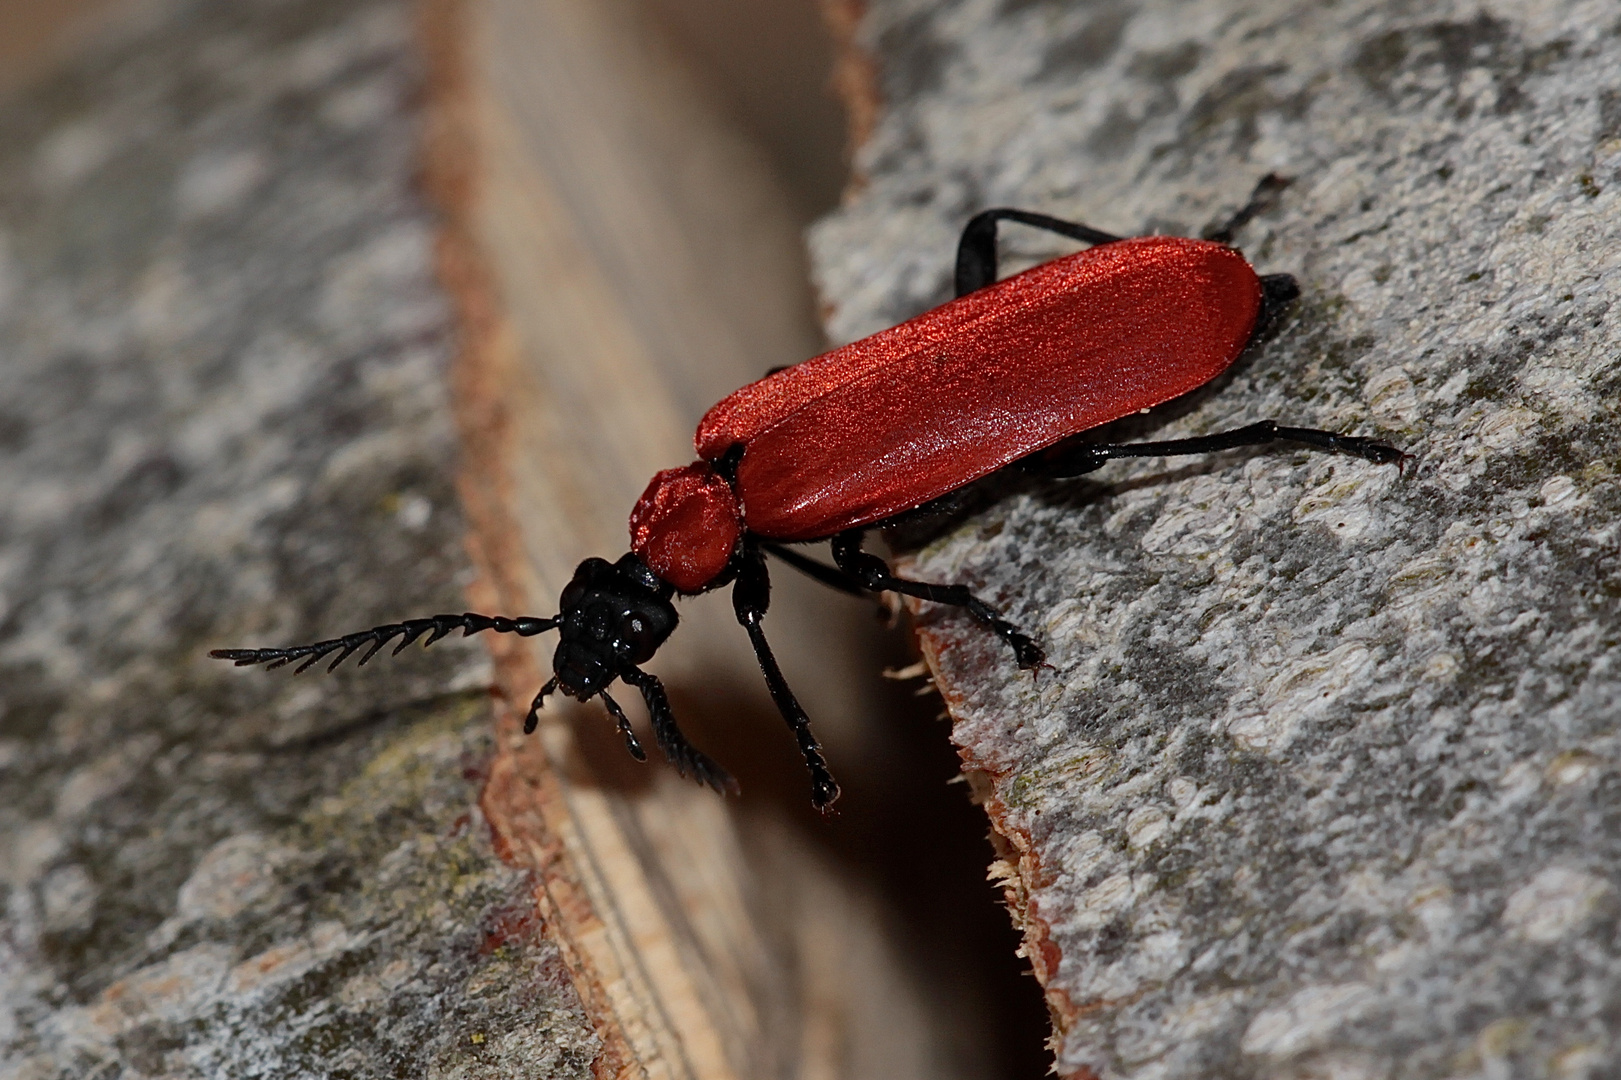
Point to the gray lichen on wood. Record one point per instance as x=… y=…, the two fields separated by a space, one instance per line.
x=1326 y=780
x=224 y=422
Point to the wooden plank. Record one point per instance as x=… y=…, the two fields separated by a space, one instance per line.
x=621 y=258
x=1322 y=779
x=225 y=422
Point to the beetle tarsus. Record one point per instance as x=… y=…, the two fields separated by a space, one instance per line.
x=1026 y=652
x=1356 y=445
x=1031 y=657
x=1262 y=199
x=824 y=792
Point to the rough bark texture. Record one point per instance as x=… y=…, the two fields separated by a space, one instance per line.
x=1325 y=780
x=225 y=422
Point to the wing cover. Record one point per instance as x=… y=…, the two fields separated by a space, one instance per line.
x=894 y=420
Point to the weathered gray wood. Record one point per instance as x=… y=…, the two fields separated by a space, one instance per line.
x=1325 y=779
x=224 y=421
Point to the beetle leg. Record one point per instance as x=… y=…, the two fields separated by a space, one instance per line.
x=1262 y=200
x=1080 y=458
x=751 y=596
x=874 y=573
x=687 y=759
x=831 y=576
x=976 y=250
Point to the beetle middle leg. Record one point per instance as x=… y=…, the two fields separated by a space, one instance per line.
x=751 y=596
x=831 y=576
x=1079 y=458
x=875 y=574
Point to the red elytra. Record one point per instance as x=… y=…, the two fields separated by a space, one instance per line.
x=894 y=420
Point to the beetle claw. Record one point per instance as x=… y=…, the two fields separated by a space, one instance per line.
x=824 y=793
x=1028 y=654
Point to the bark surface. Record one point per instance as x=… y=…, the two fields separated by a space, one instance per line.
x=225 y=422
x=1325 y=779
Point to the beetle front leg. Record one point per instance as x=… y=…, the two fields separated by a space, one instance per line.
x=875 y=574
x=687 y=759
x=751 y=596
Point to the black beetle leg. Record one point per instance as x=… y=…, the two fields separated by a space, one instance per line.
x=751 y=596
x=687 y=759
x=874 y=573
x=976 y=250
x=1262 y=200
x=1078 y=458
x=831 y=576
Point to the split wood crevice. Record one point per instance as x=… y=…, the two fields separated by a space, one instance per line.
x=566 y=403
x=620 y=947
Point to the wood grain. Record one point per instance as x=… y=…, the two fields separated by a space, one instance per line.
x=620 y=258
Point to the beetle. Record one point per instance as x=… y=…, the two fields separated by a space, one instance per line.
x=1009 y=372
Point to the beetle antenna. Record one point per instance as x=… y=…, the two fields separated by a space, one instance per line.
x=436 y=627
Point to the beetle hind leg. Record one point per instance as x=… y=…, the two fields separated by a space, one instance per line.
x=1079 y=458
x=976 y=250
x=875 y=574
x=1262 y=200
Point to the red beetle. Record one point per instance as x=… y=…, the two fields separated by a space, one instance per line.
x=1010 y=371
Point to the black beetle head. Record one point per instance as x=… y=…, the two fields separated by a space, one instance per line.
x=612 y=616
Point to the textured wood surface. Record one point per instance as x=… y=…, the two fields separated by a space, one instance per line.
x=563 y=408
x=226 y=422
x=1324 y=779
x=253 y=373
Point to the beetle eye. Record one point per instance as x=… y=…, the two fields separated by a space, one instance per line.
x=572 y=592
x=639 y=636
